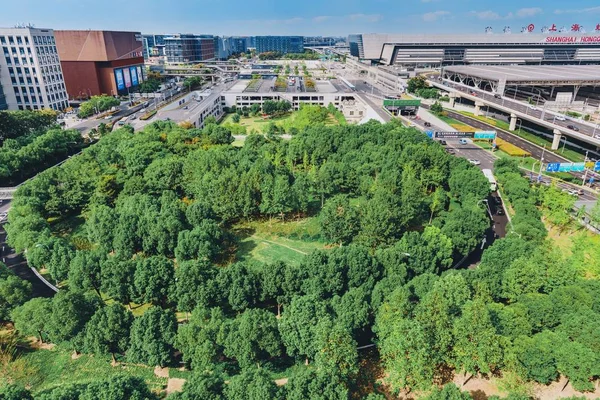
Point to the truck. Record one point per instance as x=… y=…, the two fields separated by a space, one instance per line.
x=490 y=177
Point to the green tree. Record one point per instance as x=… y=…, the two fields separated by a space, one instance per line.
x=449 y=392
x=108 y=330
x=152 y=337
x=339 y=221
x=253 y=337
x=14 y=291
x=252 y=384
x=310 y=383
x=197 y=339
x=194 y=284
x=31 y=318
x=536 y=356
x=477 y=347
x=436 y=108
x=14 y=392
x=70 y=312
x=235 y=118
x=205 y=386
x=465 y=227
x=336 y=350
x=153 y=280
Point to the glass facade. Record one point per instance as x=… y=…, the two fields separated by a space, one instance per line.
x=281 y=44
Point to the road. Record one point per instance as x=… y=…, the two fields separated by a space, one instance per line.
x=535 y=112
x=17 y=264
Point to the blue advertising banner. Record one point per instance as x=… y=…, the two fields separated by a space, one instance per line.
x=430 y=134
x=565 y=167
x=597 y=166
x=134 y=78
x=119 y=79
x=578 y=167
x=553 y=167
x=491 y=135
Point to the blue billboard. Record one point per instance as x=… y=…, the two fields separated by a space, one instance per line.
x=119 y=79
x=491 y=135
x=134 y=78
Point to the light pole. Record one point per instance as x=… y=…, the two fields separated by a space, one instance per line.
x=564 y=144
x=585 y=171
x=487 y=207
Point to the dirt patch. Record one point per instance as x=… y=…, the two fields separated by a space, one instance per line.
x=555 y=391
x=161 y=372
x=175 y=385
x=75 y=355
x=281 y=382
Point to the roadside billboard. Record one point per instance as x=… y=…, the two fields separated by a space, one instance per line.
x=139 y=74
x=119 y=79
x=134 y=78
x=127 y=76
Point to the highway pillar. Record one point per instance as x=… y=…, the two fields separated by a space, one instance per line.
x=513 y=122
x=556 y=140
x=478 y=106
x=452 y=101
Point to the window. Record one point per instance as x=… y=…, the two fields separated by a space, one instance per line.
x=2 y=40
x=35 y=40
x=19 y=40
x=19 y=99
x=26 y=40
x=11 y=40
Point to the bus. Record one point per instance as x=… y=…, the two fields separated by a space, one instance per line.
x=490 y=177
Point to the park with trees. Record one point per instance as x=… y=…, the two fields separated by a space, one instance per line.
x=140 y=234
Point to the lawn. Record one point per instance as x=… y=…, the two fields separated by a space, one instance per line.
x=269 y=241
x=256 y=123
x=44 y=369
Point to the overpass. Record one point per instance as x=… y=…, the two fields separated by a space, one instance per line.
x=7 y=193
x=517 y=110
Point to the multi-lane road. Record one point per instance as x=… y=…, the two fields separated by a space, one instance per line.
x=576 y=127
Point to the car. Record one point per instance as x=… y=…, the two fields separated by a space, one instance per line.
x=473 y=94
x=573 y=192
x=463 y=141
x=500 y=211
x=427 y=124
x=532 y=107
x=443 y=142
x=497 y=96
x=560 y=118
x=573 y=127
x=3 y=216
x=474 y=162
x=186 y=107
x=596 y=136
x=497 y=200
x=108 y=117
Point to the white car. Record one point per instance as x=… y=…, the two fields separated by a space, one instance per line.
x=474 y=162
x=560 y=118
x=532 y=107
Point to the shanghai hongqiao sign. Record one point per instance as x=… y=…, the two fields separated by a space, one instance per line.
x=573 y=39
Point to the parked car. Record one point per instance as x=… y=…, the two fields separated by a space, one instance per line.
x=573 y=127
x=497 y=96
x=443 y=142
x=474 y=162
x=463 y=141
x=532 y=107
x=500 y=211
x=427 y=124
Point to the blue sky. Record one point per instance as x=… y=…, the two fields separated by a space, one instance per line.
x=306 y=17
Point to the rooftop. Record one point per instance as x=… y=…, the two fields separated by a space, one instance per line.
x=531 y=73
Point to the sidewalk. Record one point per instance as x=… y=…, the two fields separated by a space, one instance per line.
x=425 y=115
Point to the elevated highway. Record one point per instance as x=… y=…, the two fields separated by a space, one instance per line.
x=583 y=132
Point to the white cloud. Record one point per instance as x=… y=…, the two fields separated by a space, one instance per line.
x=589 y=10
x=435 y=15
x=365 y=17
x=321 y=18
x=486 y=15
x=528 y=12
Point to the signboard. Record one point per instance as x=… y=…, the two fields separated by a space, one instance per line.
x=597 y=166
x=134 y=78
x=553 y=167
x=139 y=74
x=491 y=135
x=119 y=79
x=451 y=135
x=573 y=39
x=401 y=103
x=578 y=167
x=127 y=77
x=429 y=133
x=565 y=167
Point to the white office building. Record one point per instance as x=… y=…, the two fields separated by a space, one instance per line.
x=30 y=74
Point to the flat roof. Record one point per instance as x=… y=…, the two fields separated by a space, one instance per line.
x=531 y=73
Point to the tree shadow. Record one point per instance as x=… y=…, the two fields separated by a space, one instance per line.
x=241 y=248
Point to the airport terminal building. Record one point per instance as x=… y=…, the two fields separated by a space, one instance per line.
x=483 y=49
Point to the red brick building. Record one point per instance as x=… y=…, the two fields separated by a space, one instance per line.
x=100 y=62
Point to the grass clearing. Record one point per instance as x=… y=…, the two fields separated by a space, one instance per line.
x=275 y=240
x=44 y=369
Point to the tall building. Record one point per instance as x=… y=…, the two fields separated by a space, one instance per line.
x=100 y=62
x=154 y=45
x=281 y=44
x=356 y=45
x=182 y=48
x=239 y=44
x=319 y=41
x=31 y=77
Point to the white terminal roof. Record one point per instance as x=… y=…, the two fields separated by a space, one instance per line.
x=578 y=74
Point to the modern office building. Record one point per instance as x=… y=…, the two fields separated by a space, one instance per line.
x=184 y=48
x=239 y=44
x=319 y=41
x=31 y=77
x=456 y=49
x=154 y=45
x=281 y=44
x=100 y=62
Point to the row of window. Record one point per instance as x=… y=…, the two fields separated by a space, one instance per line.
x=23 y=61
x=57 y=106
x=28 y=98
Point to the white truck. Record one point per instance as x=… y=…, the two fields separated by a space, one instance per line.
x=490 y=177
